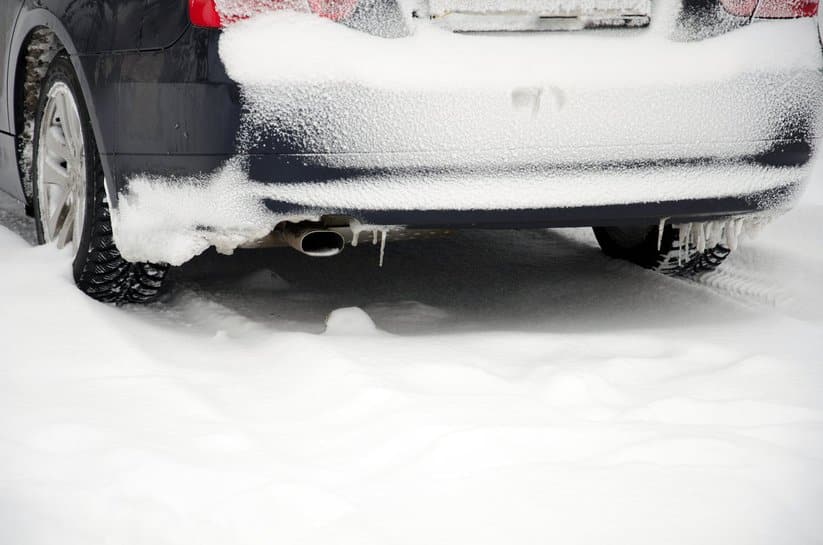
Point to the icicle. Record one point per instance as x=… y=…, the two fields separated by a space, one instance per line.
x=356 y=228
x=733 y=231
x=377 y=231
x=709 y=230
x=740 y=227
x=660 y=229
x=719 y=235
x=731 y=234
x=684 y=233
x=755 y=224
x=701 y=237
x=385 y=235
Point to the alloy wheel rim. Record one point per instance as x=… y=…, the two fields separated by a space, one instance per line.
x=61 y=169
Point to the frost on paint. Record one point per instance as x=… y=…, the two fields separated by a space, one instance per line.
x=366 y=95
x=234 y=10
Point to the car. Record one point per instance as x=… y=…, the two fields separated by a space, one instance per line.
x=141 y=133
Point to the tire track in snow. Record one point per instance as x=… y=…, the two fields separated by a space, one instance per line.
x=745 y=285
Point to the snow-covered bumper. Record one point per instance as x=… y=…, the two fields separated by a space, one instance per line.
x=343 y=99
x=160 y=220
x=305 y=99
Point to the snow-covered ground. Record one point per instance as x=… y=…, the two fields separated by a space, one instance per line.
x=505 y=388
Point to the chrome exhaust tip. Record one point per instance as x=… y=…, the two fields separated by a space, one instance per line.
x=313 y=239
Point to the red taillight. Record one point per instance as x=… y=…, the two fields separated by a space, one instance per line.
x=741 y=8
x=772 y=9
x=203 y=13
x=786 y=9
x=336 y=10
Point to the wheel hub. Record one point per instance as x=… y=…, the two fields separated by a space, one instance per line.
x=61 y=169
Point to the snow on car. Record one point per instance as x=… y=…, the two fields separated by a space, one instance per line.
x=668 y=126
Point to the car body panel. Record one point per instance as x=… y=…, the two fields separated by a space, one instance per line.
x=9 y=175
x=8 y=15
x=86 y=30
x=9 y=179
x=31 y=18
x=116 y=25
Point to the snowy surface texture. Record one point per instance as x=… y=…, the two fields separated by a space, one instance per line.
x=614 y=59
x=519 y=98
x=509 y=388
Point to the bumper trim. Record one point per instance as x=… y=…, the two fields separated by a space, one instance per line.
x=650 y=213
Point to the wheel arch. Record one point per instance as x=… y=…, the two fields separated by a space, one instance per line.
x=25 y=75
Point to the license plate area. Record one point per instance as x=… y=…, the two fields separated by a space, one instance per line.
x=537 y=15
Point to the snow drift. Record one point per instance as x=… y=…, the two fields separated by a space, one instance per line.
x=513 y=388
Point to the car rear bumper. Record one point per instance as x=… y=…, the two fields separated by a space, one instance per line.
x=160 y=219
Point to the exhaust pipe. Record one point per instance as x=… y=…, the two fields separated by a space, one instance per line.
x=313 y=239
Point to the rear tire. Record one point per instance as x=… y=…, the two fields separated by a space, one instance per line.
x=644 y=246
x=66 y=162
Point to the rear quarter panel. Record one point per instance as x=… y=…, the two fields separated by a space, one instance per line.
x=8 y=15
x=9 y=182
x=86 y=29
